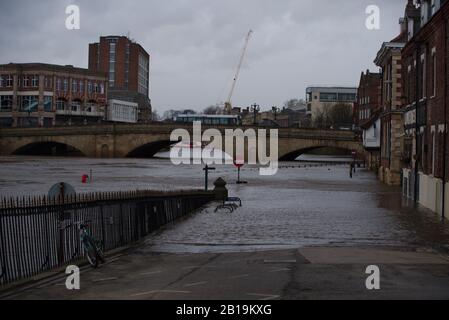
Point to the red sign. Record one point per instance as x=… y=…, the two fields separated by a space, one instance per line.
x=239 y=163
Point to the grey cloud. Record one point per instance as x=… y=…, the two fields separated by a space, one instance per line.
x=195 y=44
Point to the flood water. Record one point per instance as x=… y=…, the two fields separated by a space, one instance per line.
x=304 y=204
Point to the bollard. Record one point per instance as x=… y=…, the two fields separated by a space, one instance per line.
x=221 y=192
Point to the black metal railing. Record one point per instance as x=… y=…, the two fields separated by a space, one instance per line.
x=38 y=234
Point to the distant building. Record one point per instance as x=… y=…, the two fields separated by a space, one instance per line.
x=122 y=111
x=44 y=95
x=127 y=65
x=320 y=97
x=389 y=60
x=368 y=97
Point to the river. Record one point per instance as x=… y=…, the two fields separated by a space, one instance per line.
x=304 y=204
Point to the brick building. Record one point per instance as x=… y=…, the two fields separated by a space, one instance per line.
x=127 y=65
x=368 y=97
x=37 y=94
x=425 y=73
x=389 y=60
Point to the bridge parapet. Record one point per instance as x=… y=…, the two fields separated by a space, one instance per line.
x=122 y=140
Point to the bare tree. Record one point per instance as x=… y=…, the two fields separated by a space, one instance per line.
x=155 y=115
x=295 y=104
x=333 y=116
x=212 y=110
x=341 y=115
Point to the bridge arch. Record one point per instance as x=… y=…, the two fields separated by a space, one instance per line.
x=148 y=150
x=290 y=151
x=48 y=148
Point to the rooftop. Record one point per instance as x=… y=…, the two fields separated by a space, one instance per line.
x=48 y=67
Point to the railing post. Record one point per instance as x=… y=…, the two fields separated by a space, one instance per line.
x=103 y=232
x=3 y=272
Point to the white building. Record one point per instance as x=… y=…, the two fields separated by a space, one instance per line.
x=319 y=97
x=371 y=141
x=122 y=111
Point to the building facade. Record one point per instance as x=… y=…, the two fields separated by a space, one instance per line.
x=392 y=129
x=122 y=111
x=368 y=97
x=366 y=116
x=425 y=73
x=320 y=98
x=43 y=95
x=128 y=67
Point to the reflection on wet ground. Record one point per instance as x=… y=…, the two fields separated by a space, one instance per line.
x=302 y=205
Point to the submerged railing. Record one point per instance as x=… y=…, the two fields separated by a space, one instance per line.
x=38 y=234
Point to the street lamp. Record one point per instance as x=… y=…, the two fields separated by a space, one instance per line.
x=275 y=110
x=255 y=108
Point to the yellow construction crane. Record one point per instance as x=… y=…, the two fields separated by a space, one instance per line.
x=228 y=105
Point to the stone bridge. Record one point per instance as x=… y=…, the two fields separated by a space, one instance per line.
x=138 y=141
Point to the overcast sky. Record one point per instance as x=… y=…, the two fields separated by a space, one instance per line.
x=195 y=44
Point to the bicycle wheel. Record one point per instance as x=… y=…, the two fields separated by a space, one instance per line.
x=100 y=254
x=91 y=254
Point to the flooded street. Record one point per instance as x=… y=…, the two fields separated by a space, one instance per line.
x=305 y=204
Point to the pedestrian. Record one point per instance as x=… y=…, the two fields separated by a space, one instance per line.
x=351 y=169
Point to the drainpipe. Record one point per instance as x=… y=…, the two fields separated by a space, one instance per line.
x=445 y=116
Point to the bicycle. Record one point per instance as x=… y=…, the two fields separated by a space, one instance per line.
x=92 y=247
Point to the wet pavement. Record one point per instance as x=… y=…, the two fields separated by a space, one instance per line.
x=305 y=204
x=307 y=273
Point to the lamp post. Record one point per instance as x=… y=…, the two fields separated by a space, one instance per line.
x=275 y=110
x=255 y=108
x=206 y=176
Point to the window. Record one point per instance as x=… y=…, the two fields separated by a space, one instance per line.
x=433 y=7
x=89 y=87
x=48 y=103
x=408 y=88
x=433 y=79
x=6 y=103
x=424 y=12
x=66 y=85
x=74 y=86
x=2 y=81
x=58 y=84
x=143 y=74
x=47 y=82
x=102 y=88
x=423 y=77
x=60 y=104
x=410 y=28
x=35 y=81
x=112 y=57
x=25 y=81
x=76 y=106
x=433 y=153
x=29 y=103
x=81 y=86
x=324 y=96
x=9 y=80
x=111 y=79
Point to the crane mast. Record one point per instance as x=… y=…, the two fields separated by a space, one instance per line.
x=228 y=105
